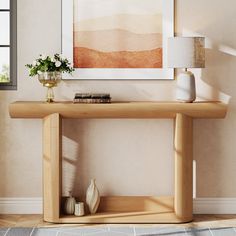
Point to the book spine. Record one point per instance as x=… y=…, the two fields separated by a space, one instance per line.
x=91 y=100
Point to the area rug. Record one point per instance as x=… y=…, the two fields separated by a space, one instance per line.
x=117 y=231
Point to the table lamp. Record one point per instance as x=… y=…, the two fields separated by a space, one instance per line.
x=186 y=52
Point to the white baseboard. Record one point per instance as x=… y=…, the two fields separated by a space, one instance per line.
x=214 y=206
x=21 y=206
x=200 y=206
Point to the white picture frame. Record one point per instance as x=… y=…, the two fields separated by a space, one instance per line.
x=164 y=73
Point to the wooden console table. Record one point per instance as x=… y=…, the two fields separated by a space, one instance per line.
x=120 y=209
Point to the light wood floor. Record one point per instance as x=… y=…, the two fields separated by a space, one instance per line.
x=210 y=221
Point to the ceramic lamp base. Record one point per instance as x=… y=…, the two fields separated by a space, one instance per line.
x=186 y=89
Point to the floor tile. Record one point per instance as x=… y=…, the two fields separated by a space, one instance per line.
x=86 y=231
x=112 y=234
x=45 y=232
x=19 y=232
x=224 y=232
x=199 y=232
x=122 y=230
x=69 y=234
x=2 y=233
x=129 y=230
x=146 y=231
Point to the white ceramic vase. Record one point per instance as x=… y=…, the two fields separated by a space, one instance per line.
x=79 y=209
x=186 y=90
x=69 y=207
x=92 y=197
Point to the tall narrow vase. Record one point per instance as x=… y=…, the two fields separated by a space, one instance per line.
x=50 y=80
x=92 y=197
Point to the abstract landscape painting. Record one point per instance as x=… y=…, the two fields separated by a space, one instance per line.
x=118 y=34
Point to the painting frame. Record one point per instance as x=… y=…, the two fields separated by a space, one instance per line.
x=164 y=73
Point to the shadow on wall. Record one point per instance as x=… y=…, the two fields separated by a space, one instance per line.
x=214 y=140
x=216 y=81
x=71 y=157
x=214 y=146
x=122 y=155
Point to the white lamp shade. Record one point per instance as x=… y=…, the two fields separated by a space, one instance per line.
x=186 y=52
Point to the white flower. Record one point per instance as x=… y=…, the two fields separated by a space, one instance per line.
x=34 y=63
x=39 y=72
x=43 y=57
x=62 y=56
x=58 y=64
x=52 y=59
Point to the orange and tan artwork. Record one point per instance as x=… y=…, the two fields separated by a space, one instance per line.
x=117 y=33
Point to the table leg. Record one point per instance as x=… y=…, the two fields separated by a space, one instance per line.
x=183 y=167
x=52 y=147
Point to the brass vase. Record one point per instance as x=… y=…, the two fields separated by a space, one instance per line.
x=50 y=80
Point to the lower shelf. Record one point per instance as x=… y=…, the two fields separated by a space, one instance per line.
x=124 y=218
x=130 y=209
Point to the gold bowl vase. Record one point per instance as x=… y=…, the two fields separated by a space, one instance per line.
x=50 y=80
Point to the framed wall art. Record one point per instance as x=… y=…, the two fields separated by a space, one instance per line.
x=117 y=39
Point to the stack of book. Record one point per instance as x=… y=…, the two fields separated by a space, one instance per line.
x=92 y=98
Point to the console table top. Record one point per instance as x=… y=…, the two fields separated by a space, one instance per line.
x=31 y=109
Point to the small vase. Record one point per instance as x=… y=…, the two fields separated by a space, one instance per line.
x=92 y=197
x=79 y=209
x=50 y=80
x=69 y=207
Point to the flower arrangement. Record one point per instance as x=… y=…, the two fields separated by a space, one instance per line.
x=56 y=63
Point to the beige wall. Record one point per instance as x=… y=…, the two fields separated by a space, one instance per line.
x=125 y=156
